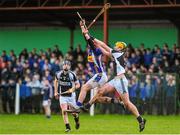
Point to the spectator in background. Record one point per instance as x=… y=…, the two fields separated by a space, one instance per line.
x=48 y=76
x=176 y=54
x=155 y=49
x=35 y=86
x=133 y=88
x=12 y=55
x=141 y=48
x=25 y=96
x=53 y=58
x=70 y=51
x=24 y=54
x=78 y=51
x=5 y=74
x=148 y=57
x=34 y=51
x=158 y=56
x=4 y=91
x=166 y=52
x=48 y=52
x=170 y=94
x=139 y=56
x=41 y=61
x=19 y=67
x=55 y=66
x=4 y=56
x=36 y=69
x=133 y=59
x=142 y=97
x=11 y=94
x=159 y=94
x=57 y=51
x=31 y=60
x=47 y=65
x=150 y=92
x=176 y=67
x=47 y=92
x=166 y=67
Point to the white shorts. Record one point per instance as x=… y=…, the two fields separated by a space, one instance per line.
x=98 y=80
x=68 y=100
x=46 y=103
x=120 y=84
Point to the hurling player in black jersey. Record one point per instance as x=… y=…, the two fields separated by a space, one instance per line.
x=65 y=84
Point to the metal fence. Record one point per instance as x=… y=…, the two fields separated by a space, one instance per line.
x=156 y=94
x=153 y=94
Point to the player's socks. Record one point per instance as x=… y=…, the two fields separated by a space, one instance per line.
x=76 y=119
x=140 y=119
x=79 y=104
x=68 y=128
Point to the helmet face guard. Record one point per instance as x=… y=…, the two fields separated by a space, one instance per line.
x=66 y=62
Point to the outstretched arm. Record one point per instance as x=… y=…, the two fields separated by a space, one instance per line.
x=86 y=35
x=103 y=46
x=95 y=42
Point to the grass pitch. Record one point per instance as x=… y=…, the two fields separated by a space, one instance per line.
x=99 y=124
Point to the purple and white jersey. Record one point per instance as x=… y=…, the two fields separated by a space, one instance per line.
x=95 y=60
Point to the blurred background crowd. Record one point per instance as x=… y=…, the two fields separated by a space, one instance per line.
x=153 y=75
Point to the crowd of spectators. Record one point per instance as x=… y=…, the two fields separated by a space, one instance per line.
x=149 y=87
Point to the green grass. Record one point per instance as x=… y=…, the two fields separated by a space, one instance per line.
x=99 y=124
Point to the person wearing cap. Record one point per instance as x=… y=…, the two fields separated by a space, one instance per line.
x=65 y=84
x=119 y=83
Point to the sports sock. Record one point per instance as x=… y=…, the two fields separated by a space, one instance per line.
x=140 y=119
x=79 y=104
x=76 y=118
x=68 y=126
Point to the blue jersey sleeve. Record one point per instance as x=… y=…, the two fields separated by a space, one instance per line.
x=98 y=52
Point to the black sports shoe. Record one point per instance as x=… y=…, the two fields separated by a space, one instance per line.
x=76 y=119
x=84 y=109
x=142 y=125
x=73 y=110
x=67 y=130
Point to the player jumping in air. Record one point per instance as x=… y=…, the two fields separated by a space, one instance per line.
x=99 y=78
x=119 y=83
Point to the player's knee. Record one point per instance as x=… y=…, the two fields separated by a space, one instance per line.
x=64 y=113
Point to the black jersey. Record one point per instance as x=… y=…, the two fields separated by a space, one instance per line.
x=119 y=63
x=66 y=81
